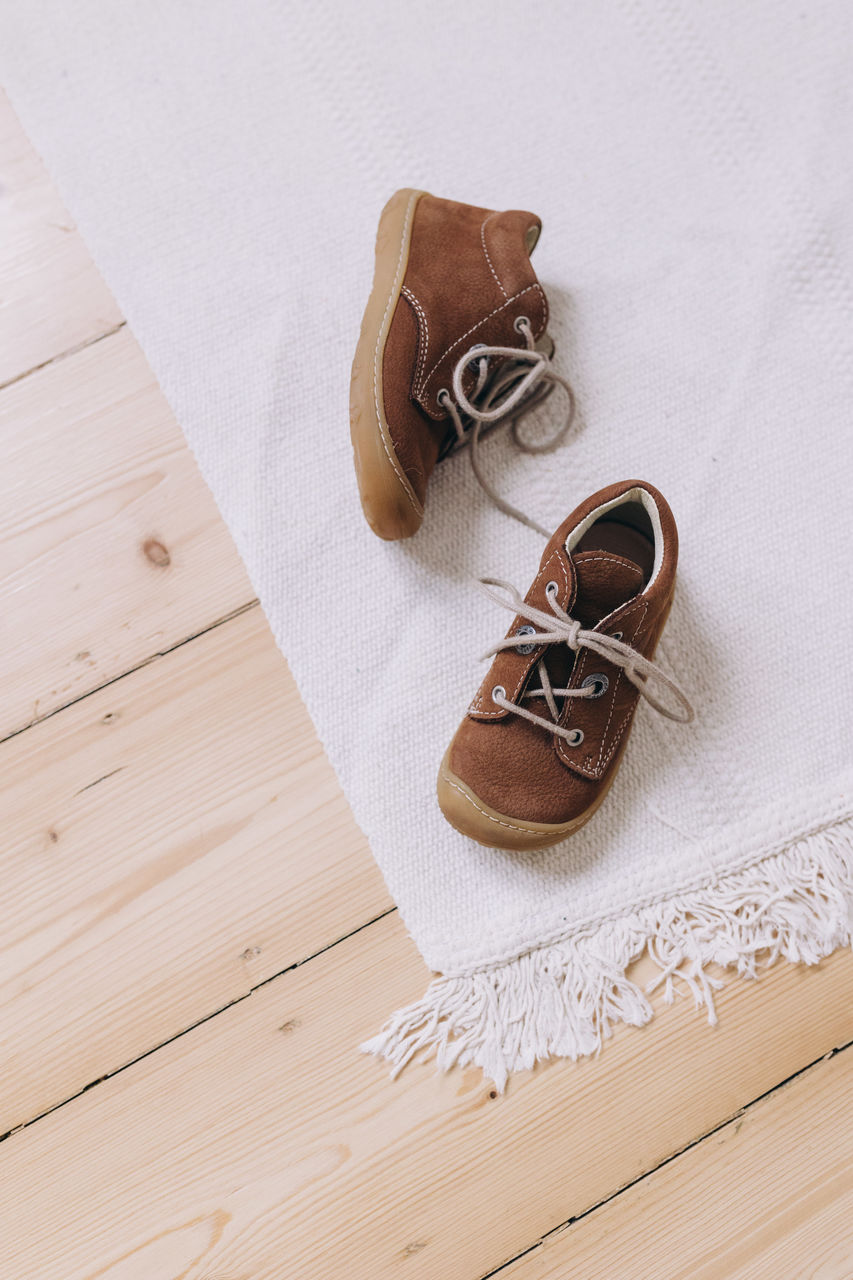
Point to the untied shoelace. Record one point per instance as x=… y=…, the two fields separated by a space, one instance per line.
x=558 y=628
x=503 y=394
x=510 y=382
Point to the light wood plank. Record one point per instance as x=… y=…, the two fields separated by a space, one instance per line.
x=262 y=1145
x=220 y=850
x=52 y=298
x=769 y=1196
x=168 y=842
x=111 y=547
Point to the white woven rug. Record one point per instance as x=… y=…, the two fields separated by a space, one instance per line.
x=227 y=162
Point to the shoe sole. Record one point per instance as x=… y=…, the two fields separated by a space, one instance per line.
x=388 y=500
x=472 y=817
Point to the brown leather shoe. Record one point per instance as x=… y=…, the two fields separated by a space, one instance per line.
x=541 y=743
x=453 y=339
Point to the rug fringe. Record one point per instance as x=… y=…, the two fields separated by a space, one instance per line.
x=561 y=1000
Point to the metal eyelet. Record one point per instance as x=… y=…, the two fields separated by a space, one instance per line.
x=552 y=587
x=576 y=739
x=519 y=322
x=474 y=365
x=617 y=635
x=525 y=631
x=498 y=692
x=599 y=679
x=443 y=396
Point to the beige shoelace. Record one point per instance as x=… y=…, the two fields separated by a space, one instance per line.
x=558 y=628
x=510 y=382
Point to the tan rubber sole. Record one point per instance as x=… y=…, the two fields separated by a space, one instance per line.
x=389 y=503
x=474 y=818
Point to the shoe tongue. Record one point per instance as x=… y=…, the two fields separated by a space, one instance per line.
x=605 y=581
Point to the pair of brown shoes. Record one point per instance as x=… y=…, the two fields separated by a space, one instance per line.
x=454 y=344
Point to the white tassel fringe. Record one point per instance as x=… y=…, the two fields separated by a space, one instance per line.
x=562 y=999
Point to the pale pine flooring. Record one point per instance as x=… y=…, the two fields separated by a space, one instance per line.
x=195 y=937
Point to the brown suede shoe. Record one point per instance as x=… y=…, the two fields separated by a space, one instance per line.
x=455 y=305
x=542 y=740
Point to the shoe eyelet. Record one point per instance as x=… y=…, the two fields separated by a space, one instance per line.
x=443 y=396
x=617 y=635
x=576 y=739
x=525 y=631
x=552 y=588
x=598 y=679
x=519 y=322
x=474 y=365
x=498 y=692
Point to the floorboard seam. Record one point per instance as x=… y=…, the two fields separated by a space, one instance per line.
x=63 y=355
x=599 y=1204
x=125 y=1066
x=154 y=657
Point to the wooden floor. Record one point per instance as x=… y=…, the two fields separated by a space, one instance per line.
x=196 y=937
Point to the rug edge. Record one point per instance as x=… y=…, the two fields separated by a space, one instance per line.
x=562 y=999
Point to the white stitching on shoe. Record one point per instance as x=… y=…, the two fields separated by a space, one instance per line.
x=392 y=458
x=596 y=767
x=499 y=821
x=623 y=564
x=584 y=657
x=488 y=218
x=406 y=291
x=468 y=332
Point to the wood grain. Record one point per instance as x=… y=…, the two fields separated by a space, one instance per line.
x=168 y=843
x=768 y=1197
x=52 y=298
x=262 y=1146
x=111 y=547
x=178 y=838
